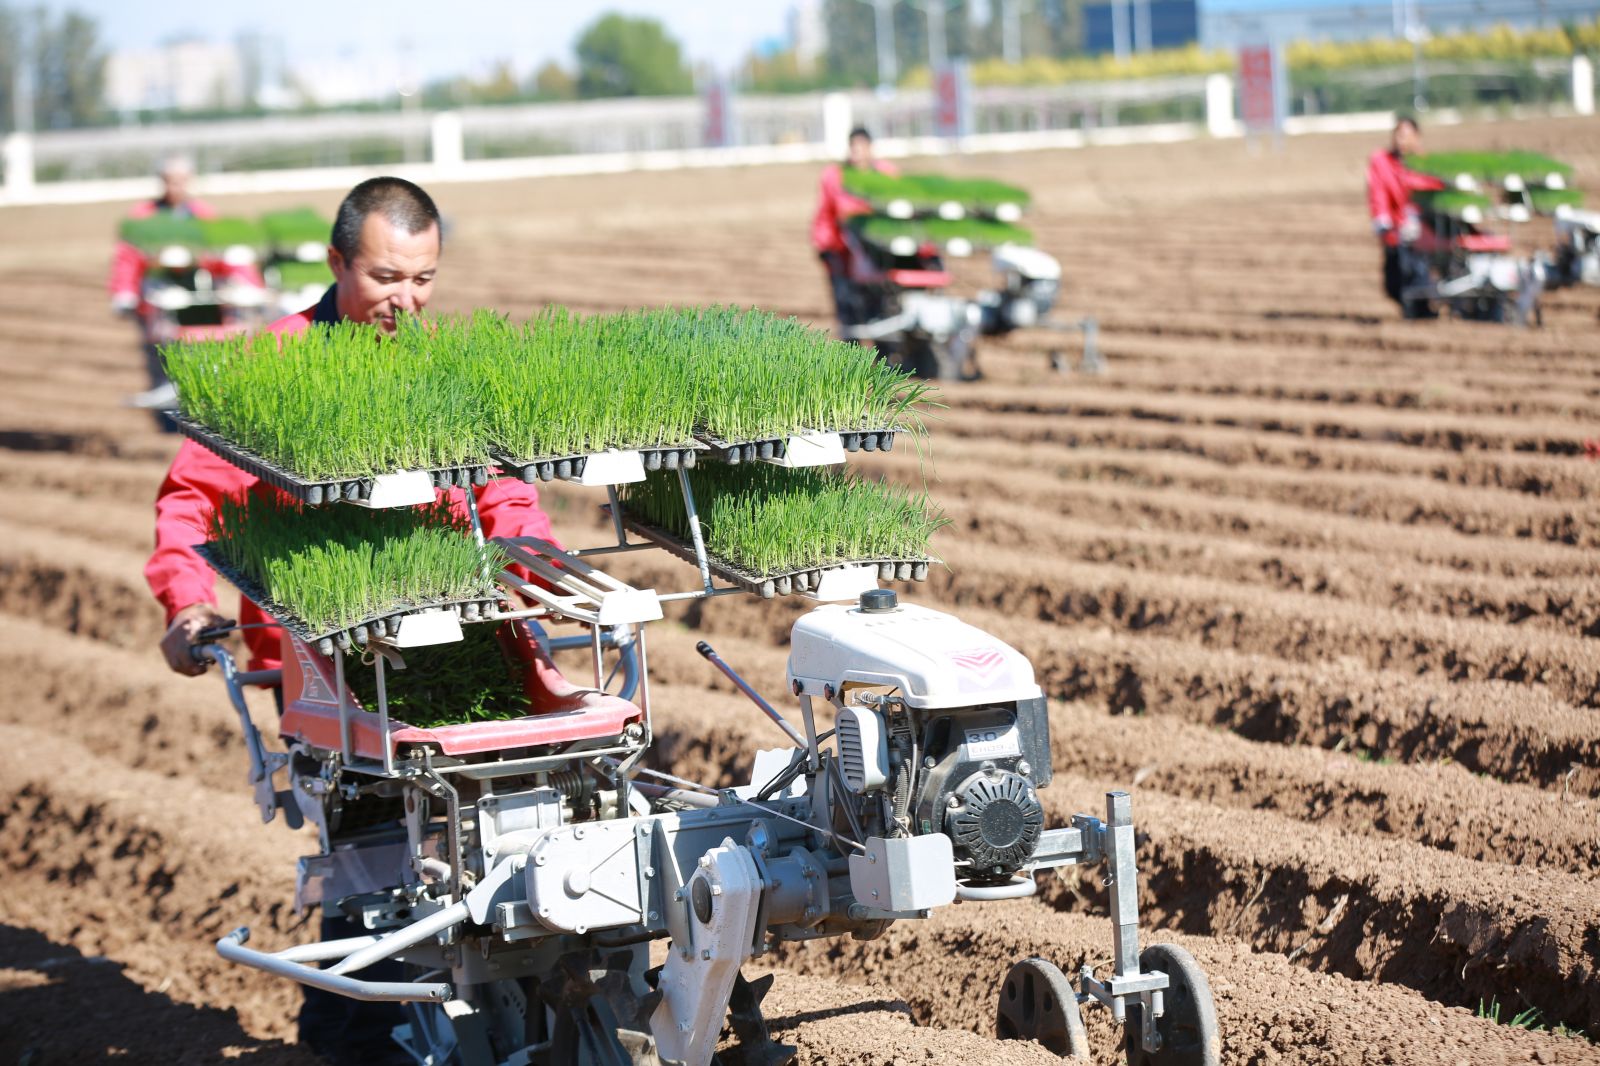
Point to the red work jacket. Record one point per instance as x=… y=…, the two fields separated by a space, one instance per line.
x=1389 y=187
x=199 y=479
x=834 y=205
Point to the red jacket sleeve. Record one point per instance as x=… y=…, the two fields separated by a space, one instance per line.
x=1380 y=192
x=197 y=480
x=510 y=508
x=825 y=222
x=127 y=270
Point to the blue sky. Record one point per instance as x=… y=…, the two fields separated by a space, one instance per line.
x=449 y=38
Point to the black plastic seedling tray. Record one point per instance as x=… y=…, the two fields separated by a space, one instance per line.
x=472 y=609
x=769 y=585
x=748 y=451
x=311 y=492
x=571 y=467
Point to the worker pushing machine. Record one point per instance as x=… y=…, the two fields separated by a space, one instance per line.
x=1396 y=220
x=834 y=206
x=384 y=254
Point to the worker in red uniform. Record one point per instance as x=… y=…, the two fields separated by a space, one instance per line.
x=127 y=262
x=1395 y=220
x=834 y=206
x=384 y=254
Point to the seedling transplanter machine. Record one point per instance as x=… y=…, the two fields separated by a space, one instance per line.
x=896 y=266
x=522 y=868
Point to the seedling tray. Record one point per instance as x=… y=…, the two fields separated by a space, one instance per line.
x=315 y=493
x=386 y=623
x=769 y=585
x=572 y=467
x=775 y=448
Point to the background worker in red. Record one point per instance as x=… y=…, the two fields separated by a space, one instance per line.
x=384 y=255
x=834 y=205
x=1395 y=219
x=127 y=262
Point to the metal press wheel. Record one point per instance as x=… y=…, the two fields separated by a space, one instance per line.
x=1037 y=1003
x=1188 y=1024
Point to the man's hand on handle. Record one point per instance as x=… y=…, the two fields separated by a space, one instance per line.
x=181 y=636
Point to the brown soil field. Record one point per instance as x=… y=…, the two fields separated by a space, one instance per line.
x=1318 y=586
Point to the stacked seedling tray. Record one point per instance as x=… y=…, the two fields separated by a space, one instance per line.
x=958 y=215
x=773 y=531
x=1520 y=183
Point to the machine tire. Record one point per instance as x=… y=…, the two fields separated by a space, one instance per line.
x=1188 y=1024
x=1037 y=1003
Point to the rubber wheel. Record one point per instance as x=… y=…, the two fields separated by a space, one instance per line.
x=1037 y=1003
x=1188 y=1023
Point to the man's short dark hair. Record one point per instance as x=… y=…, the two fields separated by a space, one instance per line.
x=403 y=203
x=861 y=131
x=1407 y=120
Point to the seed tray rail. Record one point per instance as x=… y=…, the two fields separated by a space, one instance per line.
x=385 y=623
x=573 y=467
x=776 y=448
x=769 y=585
x=316 y=492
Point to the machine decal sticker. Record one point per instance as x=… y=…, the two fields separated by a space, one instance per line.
x=313 y=688
x=984 y=662
x=988 y=742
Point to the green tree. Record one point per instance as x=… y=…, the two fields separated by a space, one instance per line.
x=554 y=82
x=623 y=56
x=67 y=62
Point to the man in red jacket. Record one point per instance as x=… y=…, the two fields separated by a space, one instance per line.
x=384 y=254
x=834 y=206
x=1395 y=220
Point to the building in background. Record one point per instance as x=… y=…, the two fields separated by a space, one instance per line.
x=1227 y=25
x=808 y=35
x=1124 y=26
x=188 y=75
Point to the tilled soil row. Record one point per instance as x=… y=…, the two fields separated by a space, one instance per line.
x=1562 y=478
x=1446 y=431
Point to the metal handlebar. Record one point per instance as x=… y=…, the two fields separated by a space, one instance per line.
x=262 y=765
x=284 y=964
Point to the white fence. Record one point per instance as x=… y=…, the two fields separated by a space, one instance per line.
x=332 y=151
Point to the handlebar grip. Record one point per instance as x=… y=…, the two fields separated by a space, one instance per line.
x=705 y=649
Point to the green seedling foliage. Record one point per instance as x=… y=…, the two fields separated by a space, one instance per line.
x=1453 y=202
x=294 y=275
x=296 y=226
x=345 y=402
x=162 y=230
x=979 y=232
x=1545 y=201
x=333 y=567
x=1491 y=167
x=925 y=192
x=768 y=520
x=228 y=232
x=470 y=680
x=340 y=401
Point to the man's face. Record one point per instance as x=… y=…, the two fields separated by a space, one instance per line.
x=1407 y=141
x=175 y=185
x=391 y=271
x=861 y=152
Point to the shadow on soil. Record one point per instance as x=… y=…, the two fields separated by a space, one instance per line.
x=58 y=1006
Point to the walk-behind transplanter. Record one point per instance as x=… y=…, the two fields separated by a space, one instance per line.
x=1471 y=269
x=522 y=868
x=896 y=264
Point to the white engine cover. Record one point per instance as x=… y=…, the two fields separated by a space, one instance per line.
x=934 y=659
x=1031 y=263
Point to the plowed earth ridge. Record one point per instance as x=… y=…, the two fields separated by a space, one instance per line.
x=1318 y=586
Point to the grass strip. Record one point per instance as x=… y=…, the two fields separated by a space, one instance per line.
x=768 y=520
x=1491 y=167
x=334 y=567
x=977 y=232
x=1467 y=206
x=926 y=192
x=470 y=680
x=345 y=402
x=296 y=226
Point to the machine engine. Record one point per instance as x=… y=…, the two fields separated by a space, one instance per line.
x=940 y=727
x=1032 y=281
